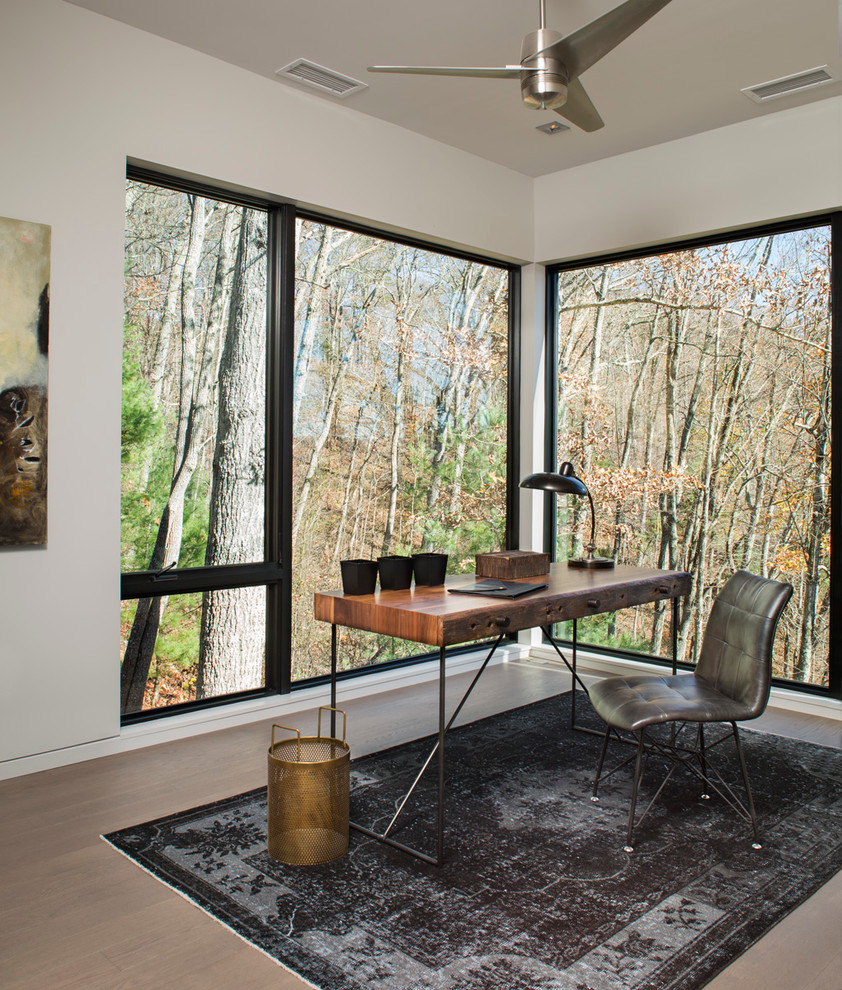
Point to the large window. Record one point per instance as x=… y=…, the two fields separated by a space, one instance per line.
x=400 y=418
x=194 y=447
x=294 y=393
x=692 y=390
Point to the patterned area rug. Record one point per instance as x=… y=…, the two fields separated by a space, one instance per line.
x=536 y=893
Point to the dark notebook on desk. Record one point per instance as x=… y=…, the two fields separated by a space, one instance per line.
x=494 y=588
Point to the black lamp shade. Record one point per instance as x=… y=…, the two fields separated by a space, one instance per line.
x=563 y=483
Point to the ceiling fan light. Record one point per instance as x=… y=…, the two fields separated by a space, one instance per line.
x=543 y=81
x=543 y=90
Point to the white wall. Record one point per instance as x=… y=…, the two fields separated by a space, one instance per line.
x=781 y=165
x=81 y=94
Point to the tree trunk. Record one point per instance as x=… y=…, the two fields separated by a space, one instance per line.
x=349 y=481
x=814 y=555
x=470 y=400
x=232 y=652
x=168 y=318
x=668 y=501
x=318 y=447
x=628 y=439
x=309 y=312
x=404 y=342
x=188 y=324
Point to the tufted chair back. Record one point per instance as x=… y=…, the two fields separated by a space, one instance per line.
x=736 y=654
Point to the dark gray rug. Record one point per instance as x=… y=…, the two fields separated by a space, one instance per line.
x=537 y=893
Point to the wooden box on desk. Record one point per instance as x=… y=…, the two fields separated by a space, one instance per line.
x=511 y=564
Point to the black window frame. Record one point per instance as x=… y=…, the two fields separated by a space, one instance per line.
x=833 y=220
x=273 y=572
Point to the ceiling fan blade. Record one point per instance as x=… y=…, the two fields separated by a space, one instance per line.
x=580 y=50
x=579 y=110
x=480 y=72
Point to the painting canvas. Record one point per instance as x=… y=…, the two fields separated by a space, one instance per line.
x=24 y=333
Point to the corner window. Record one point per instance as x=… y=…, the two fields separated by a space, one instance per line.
x=693 y=393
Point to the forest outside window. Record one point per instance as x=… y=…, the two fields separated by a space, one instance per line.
x=400 y=418
x=692 y=391
x=194 y=438
x=383 y=369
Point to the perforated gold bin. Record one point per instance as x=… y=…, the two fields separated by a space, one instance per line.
x=308 y=796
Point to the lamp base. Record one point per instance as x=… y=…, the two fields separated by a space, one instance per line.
x=590 y=562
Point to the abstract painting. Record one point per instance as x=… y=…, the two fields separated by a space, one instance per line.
x=24 y=333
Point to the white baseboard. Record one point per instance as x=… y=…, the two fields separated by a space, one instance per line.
x=590 y=666
x=181 y=726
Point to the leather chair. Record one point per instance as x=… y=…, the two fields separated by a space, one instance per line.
x=730 y=683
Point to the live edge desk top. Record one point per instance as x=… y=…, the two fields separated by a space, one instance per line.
x=437 y=618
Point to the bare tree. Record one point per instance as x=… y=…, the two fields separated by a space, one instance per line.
x=232 y=644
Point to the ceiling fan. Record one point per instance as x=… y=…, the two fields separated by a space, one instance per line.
x=550 y=65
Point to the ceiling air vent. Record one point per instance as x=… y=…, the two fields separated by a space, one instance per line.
x=328 y=81
x=789 y=84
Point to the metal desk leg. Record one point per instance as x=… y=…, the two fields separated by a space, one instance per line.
x=442 y=733
x=674 y=638
x=444 y=727
x=576 y=679
x=674 y=634
x=573 y=672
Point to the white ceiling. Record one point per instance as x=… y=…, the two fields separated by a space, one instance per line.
x=680 y=74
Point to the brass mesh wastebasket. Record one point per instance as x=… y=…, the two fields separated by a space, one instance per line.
x=308 y=796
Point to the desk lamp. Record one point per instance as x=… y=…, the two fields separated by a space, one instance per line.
x=566 y=483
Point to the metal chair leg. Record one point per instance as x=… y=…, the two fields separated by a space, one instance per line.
x=638 y=773
x=595 y=795
x=752 y=813
x=703 y=762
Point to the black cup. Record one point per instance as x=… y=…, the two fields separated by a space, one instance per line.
x=359 y=577
x=395 y=572
x=430 y=568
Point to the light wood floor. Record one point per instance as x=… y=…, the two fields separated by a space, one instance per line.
x=76 y=914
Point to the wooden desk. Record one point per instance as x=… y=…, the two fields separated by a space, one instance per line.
x=437 y=618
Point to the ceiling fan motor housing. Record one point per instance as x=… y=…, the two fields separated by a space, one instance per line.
x=543 y=81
